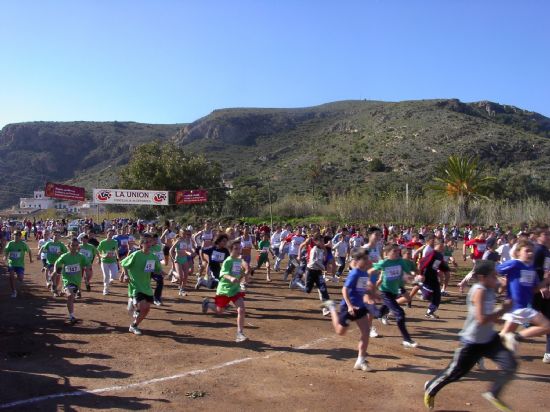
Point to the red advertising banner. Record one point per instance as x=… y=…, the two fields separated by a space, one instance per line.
x=189 y=197
x=64 y=192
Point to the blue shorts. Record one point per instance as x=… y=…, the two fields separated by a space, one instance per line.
x=19 y=271
x=344 y=316
x=374 y=278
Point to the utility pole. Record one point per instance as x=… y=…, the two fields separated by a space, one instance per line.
x=407 y=199
x=270 y=205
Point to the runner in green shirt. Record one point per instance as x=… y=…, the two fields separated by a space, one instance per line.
x=229 y=289
x=108 y=251
x=14 y=253
x=53 y=249
x=263 y=255
x=89 y=252
x=71 y=267
x=138 y=268
x=389 y=283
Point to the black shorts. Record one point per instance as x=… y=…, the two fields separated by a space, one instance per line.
x=142 y=296
x=166 y=250
x=344 y=316
x=71 y=289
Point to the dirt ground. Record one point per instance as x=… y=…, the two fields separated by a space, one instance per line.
x=293 y=360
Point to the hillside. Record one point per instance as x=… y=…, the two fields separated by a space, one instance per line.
x=35 y=152
x=374 y=145
x=366 y=145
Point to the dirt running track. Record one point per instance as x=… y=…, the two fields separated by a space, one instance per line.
x=293 y=361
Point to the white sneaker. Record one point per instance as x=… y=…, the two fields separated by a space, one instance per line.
x=326 y=312
x=157 y=302
x=240 y=337
x=364 y=366
x=373 y=332
x=546 y=358
x=135 y=330
x=329 y=305
x=243 y=287
x=410 y=344
x=510 y=342
x=200 y=282
x=384 y=319
x=14 y=294
x=105 y=291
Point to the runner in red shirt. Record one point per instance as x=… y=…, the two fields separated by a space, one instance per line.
x=479 y=245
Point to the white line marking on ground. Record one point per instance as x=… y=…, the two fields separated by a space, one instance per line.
x=150 y=381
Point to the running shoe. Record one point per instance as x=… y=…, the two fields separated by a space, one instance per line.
x=546 y=358
x=363 y=366
x=445 y=293
x=429 y=400
x=510 y=342
x=205 y=304
x=326 y=312
x=497 y=403
x=431 y=315
x=157 y=302
x=14 y=294
x=88 y=287
x=385 y=320
x=105 y=291
x=240 y=337
x=243 y=287
x=78 y=295
x=373 y=332
x=55 y=293
x=135 y=330
x=328 y=304
x=410 y=344
x=73 y=320
x=200 y=282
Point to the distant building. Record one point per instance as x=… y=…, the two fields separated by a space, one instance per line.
x=41 y=201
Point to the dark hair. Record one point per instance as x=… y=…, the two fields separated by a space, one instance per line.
x=358 y=253
x=220 y=238
x=233 y=243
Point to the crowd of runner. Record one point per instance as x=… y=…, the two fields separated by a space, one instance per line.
x=382 y=269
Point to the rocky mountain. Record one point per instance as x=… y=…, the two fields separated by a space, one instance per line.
x=36 y=152
x=364 y=145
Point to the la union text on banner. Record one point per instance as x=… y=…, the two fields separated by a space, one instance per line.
x=130 y=197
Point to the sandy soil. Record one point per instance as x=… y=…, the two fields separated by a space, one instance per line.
x=293 y=360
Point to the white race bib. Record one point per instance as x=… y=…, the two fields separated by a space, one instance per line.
x=436 y=264
x=54 y=250
x=481 y=247
x=362 y=283
x=149 y=266
x=236 y=268
x=527 y=277
x=218 y=256
x=86 y=253
x=547 y=263
x=15 y=255
x=70 y=269
x=392 y=272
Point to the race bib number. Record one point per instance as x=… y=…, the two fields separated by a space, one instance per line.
x=111 y=254
x=86 y=253
x=149 y=266
x=236 y=268
x=218 y=256
x=54 y=250
x=481 y=247
x=374 y=256
x=124 y=242
x=70 y=269
x=527 y=277
x=159 y=255
x=546 y=263
x=392 y=272
x=15 y=255
x=436 y=264
x=362 y=283
x=265 y=249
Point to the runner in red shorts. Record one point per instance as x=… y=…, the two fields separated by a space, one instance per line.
x=229 y=289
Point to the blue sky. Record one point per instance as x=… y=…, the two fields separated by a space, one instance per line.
x=168 y=61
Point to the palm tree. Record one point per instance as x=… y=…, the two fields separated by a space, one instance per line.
x=461 y=180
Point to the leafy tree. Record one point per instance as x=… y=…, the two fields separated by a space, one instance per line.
x=247 y=196
x=461 y=180
x=376 y=165
x=165 y=166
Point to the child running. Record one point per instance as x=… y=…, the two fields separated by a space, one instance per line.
x=139 y=268
x=353 y=306
x=478 y=339
x=89 y=252
x=14 y=252
x=389 y=283
x=54 y=249
x=229 y=289
x=71 y=267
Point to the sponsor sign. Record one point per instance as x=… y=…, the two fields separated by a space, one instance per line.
x=130 y=197
x=64 y=192
x=189 y=197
